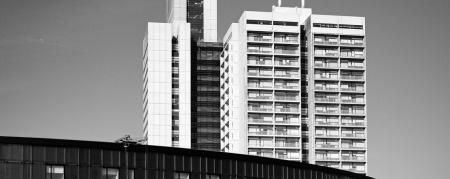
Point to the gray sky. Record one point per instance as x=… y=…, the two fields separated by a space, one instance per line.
x=71 y=69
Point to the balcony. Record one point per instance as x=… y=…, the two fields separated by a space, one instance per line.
x=291 y=87
x=260 y=109
x=349 y=41
x=326 y=135
x=356 y=66
x=320 y=157
x=287 y=157
x=349 y=147
x=353 y=158
x=286 y=52
x=348 y=77
x=327 y=146
x=326 y=53
x=259 y=62
x=353 y=123
x=353 y=135
x=288 y=110
x=358 y=100
x=259 y=38
x=325 y=65
x=353 y=89
x=259 y=74
x=324 y=88
x=259 y=121
x=352 y=112
x=287 y=98
x=294 y=133
x=327 y=100
x=286 y=40
x=330 y=111
x=260 y=133
x=286 y=144
x=260 y=97
x=287 y=63
x=327 y=123
x=352 y=54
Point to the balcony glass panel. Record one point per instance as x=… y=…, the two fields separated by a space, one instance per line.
x=352 y=75
x=286 y=38
x=260 y=107
x=261 y=152
x=288 y=131
x=355 y=110
x=327 y=120
x=288 y=73
x=325 y=39
x=326 y=74
x=263 y=72
x=327 y=155
x=287 y=84
x=260 y=142
x=325 y=86
x=353 y=121
x=286 y=61
x=287 y=96
x=353 y=144
x=352 y=64
x=286 y=50
x=327 y=143
x=352 y=87
x=260 y=83
x=286 y=107
x=352 y=98
x=331 y=52
x=259 y=60
x=347 y=40
x=353 y=132
x=350 y=52
x=259 y=49
x=286 y=142
x=327 y=132
x=260 y=130
x=325 y=97
x=286 y=119
x=325 y=63
x=260 y=95
x=354 y=155
x=259 y=37
x=327 y=109
x=260 y=118
x=287 y=154
x=354 y=167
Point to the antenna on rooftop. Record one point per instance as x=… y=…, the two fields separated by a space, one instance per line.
x=303 y=4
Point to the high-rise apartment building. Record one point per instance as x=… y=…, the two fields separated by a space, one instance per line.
x=293 y=86
x=181 y=77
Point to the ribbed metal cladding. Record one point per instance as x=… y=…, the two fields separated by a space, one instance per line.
x=29 y=157
x=205 y=116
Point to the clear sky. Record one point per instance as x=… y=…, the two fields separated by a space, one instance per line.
x=72 y=69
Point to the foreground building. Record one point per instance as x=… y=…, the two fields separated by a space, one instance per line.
x=181 y=77
x=32 y=158
x=293 y=87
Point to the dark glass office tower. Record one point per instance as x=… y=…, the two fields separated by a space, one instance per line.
x=205 y=115
x=195 y=17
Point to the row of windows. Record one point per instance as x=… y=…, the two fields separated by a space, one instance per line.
x=57 y=172
x=342 y=26
x=264 y=22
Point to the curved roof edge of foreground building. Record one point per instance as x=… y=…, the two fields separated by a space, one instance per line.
x=80 y=159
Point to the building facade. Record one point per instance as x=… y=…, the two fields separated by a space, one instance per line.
x=293 y=87
x=32 y=158
x=172 y=69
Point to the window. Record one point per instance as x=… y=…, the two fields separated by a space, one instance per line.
x=55 y=172
x=130 y=174
x=324 y=25
x=110 y=173
x=178 y=175
x=212 y=177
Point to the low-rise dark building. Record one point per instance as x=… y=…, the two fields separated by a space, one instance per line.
x=33 y=158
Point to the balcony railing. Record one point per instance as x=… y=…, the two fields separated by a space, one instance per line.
x=288 y=122
x=259 y=121
x=327 y=111
x=261 y=133
x=325 y=135
x=261 y=97
x=254 y=62
x=353 y=89
x=286 y=87
x=332 y=100
x=286 y=110
x=286 y=52
x=326 y=65
x=345 y=77
x=327 y=146
x=261 y=74
x=286 y=40
x=258 y=86
x=327 y=123
x=325 y=43
x=348 y=55
x=349 y=146
x=320 y=157
x=353 y=123
x=320 y=77
x=287 y=144
x=286 y=63
x=322 y=88
x=259 y=39
x=259 y=51
x=259 y=145
x=352 y=112
x=286 y=75
x=328 y=54
x=259 y=109
x=285 y=156
x=354 y=158
x=352 y=100
x=343 y=65
x=354 y=135
x=287 y=98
